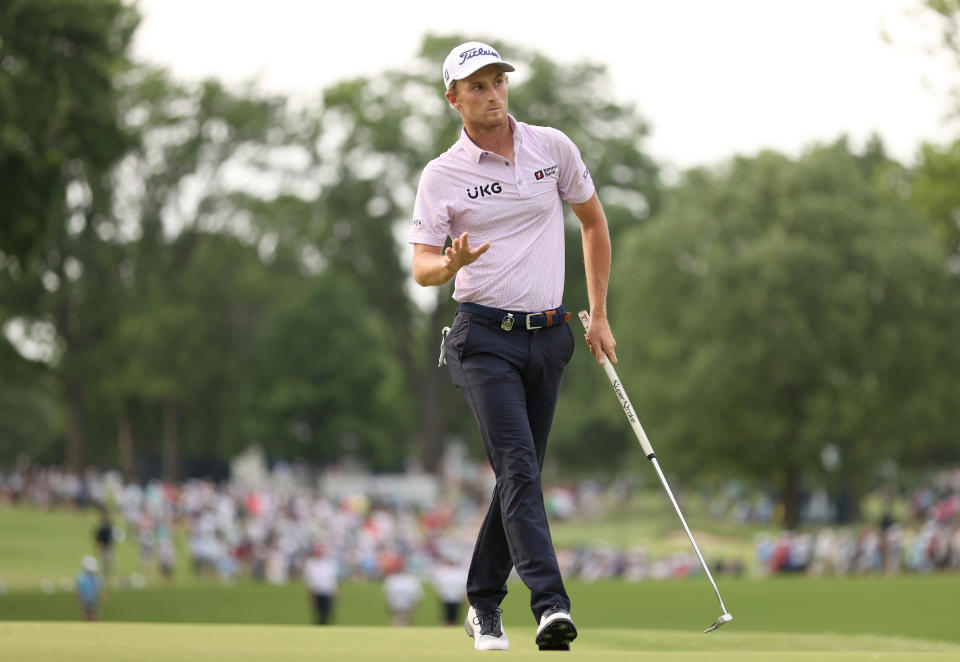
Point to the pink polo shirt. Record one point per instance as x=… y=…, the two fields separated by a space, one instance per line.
x=517 y=207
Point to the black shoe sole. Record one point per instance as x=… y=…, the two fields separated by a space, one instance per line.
x=557 y=636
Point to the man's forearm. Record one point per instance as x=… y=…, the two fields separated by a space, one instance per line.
x=432 y=265
x=596 y=253
x=431 y=269
x=596 y=260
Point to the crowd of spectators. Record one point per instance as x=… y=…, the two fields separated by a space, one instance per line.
x=265 y=534
x=928 y=540
x=268 y=534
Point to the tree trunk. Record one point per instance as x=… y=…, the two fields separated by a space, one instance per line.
x=125 y=444
x=432 y=393
x=75 y=425
x=170 y=443
x=850 y=511
x=791 y=498
x=433 y=418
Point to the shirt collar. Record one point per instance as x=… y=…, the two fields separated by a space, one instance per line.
x=475 y=153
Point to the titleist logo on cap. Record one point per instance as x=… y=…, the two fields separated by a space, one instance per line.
x=469 y=57
x=474 y=52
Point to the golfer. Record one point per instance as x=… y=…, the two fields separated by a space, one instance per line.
x=498 y=194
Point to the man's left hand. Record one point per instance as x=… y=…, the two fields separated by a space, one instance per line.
x=600 y=339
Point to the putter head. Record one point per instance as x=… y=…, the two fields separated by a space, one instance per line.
x=724 y=618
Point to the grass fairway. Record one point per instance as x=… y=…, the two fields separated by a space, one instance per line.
x=106 y=642
x=909 y=607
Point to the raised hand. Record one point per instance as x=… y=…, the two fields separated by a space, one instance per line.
x=459 y=254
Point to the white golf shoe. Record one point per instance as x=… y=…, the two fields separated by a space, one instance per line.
x=486 y=629
x=556 y=629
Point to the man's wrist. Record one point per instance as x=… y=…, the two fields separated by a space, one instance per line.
x=449 y=271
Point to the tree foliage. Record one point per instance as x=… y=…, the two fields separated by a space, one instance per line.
x=935 y=192
x=782 y=307
x=59 y=128
x=60 y=137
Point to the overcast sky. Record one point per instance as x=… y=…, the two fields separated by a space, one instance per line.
x=714 y=78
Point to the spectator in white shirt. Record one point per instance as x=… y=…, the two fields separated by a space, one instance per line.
x=403 y=593
x=320 y=576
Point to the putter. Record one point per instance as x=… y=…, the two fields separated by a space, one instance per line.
x=630 y=413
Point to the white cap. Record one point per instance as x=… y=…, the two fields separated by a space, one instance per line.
x=469 y=57
x=90 y=564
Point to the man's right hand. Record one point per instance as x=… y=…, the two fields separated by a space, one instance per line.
x=459 y=253
x=434 y=266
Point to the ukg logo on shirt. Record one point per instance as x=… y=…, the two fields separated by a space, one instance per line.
x=484 y=191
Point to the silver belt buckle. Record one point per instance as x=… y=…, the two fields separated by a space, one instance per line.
x=507 y=322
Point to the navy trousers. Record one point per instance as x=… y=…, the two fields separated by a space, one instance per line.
x=511 y=380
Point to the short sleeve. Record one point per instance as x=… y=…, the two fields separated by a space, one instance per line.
x=431 y=217
x=575 y=183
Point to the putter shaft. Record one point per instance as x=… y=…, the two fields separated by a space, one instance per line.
x=631 y=415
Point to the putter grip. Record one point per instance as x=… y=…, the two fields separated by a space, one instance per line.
x=625 y=403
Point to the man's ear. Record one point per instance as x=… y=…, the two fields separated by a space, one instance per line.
x=452 y=100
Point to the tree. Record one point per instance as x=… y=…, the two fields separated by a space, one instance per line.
x=213 y=348
x=934 y=192
x=59 y=140
x=193 y=285
x=934 y=188
x=949 y=11
x=787 y=307
x=30 y=419
x=320 y=385
x=58 y=123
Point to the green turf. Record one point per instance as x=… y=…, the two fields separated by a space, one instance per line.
x=36 y=544
x=915 y=607
x=40 y=544
x=107 y=642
